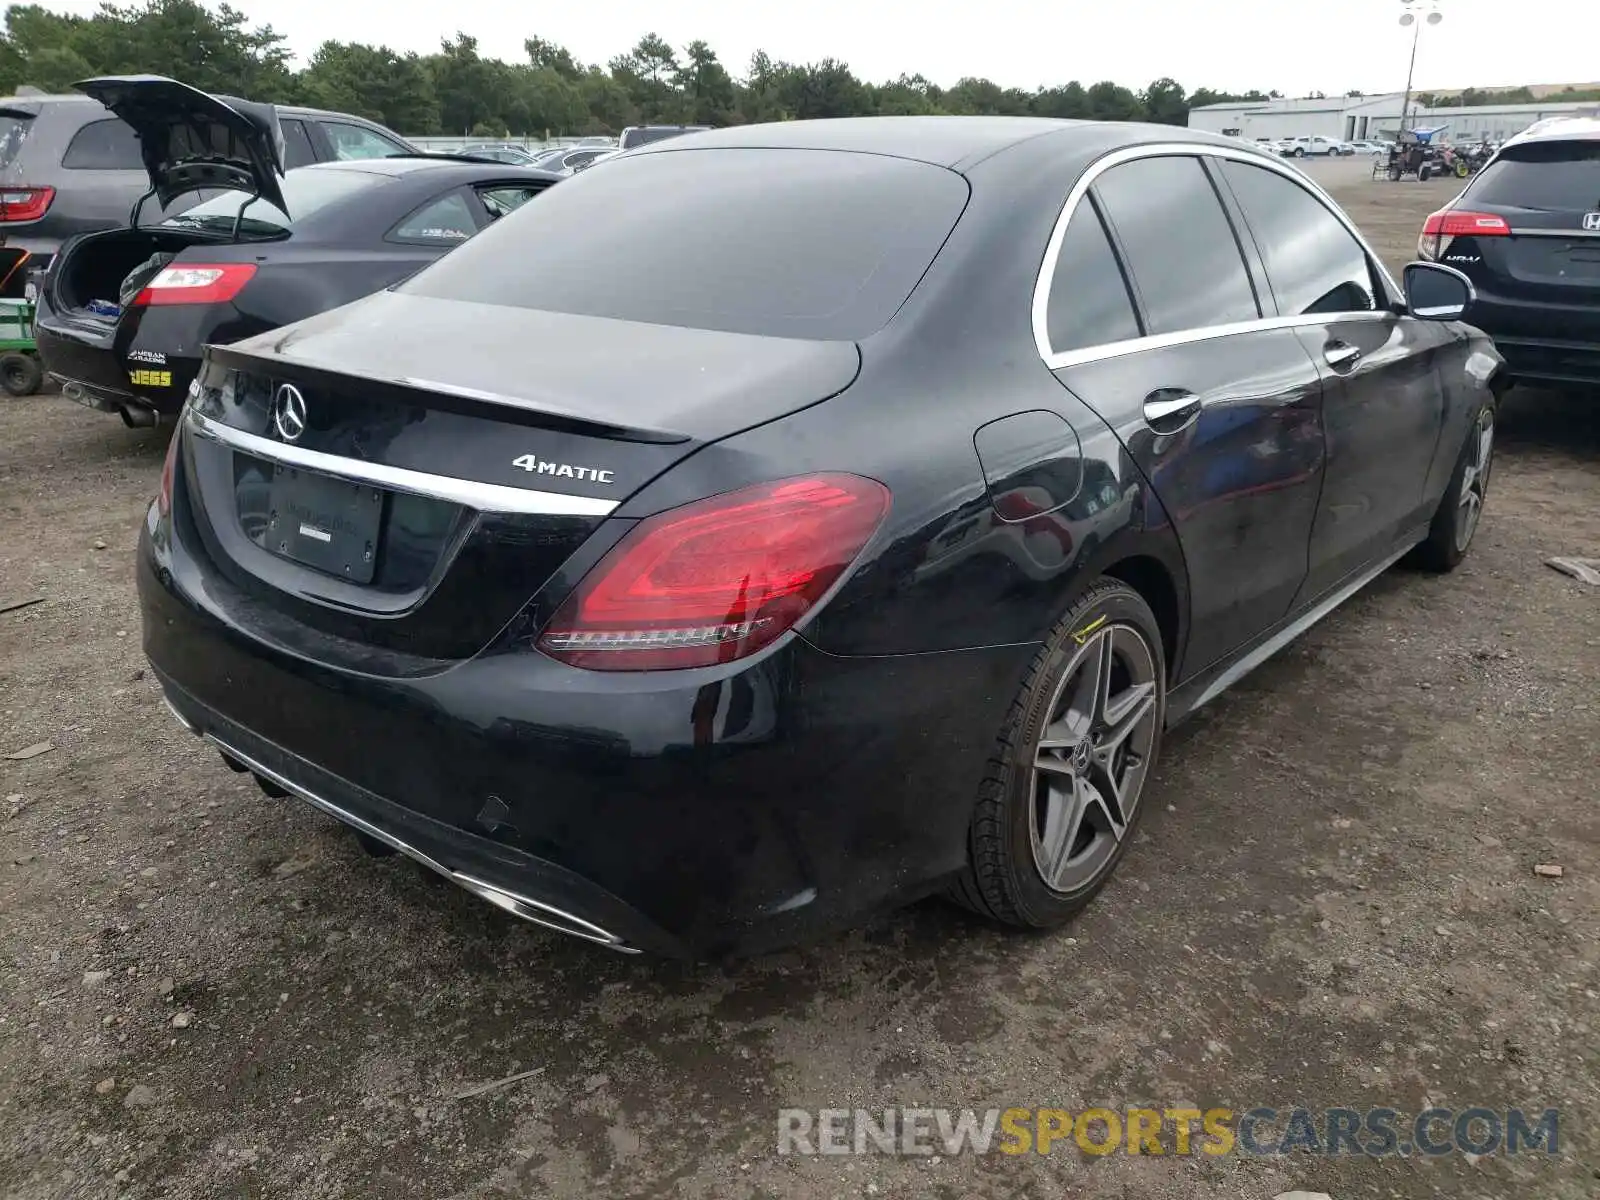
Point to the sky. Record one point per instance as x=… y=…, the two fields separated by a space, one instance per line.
x=1294 y=46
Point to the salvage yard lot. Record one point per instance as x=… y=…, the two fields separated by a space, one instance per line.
x=1332 y=902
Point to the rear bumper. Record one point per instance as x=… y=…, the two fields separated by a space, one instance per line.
x=699 y=813
x=105 y=369
x=1547 y=360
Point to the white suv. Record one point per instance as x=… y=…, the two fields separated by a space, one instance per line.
x=1300 y=147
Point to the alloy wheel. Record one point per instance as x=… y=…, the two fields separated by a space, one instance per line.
x=1475 y=479
x=1090 y=763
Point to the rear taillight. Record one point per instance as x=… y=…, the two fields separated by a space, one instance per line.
x=200 y=283
x=169 y=467
x=1447 y=224
x=718 y=579
x=25 y=203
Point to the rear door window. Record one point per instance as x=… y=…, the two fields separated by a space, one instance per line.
x=296 y=144
x=1089 y=303
x=1313 y=262
x=788 y=243
x=109 y=145
x=357 y=141
x=1179 y=245
x=1552 y=176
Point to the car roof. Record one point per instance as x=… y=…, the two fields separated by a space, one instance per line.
x=78 y=98
x=954 y=142
x=1583 y=128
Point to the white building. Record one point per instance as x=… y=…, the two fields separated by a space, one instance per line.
x=1358 y=118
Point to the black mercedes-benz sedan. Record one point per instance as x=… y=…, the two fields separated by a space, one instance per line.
x=806 y=518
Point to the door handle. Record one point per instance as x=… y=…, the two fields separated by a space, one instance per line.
x=1340 y=355
x=1171 y=410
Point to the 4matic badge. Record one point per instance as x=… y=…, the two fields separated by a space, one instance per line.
x=534 y=464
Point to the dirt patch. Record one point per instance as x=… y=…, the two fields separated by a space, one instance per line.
x=1332 y=903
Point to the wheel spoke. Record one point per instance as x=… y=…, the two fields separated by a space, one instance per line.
x=1124 y=713
x=1108 y=798
x=1100 y=667
x=1063 y=816
x=1047 y=762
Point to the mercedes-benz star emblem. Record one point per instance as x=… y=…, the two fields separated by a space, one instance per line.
x=288 y=412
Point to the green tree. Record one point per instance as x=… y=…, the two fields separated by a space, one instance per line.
x=828 y=89
x=215 y=51
x=1067 y=103
x=706 y=86
x=556 y=58
x=909 y=95
x=769 y=90
x=1165 y=103
x=374 y=82
x=1112 y=102
x=610 y=108
x=983 y=97
x=463 y=82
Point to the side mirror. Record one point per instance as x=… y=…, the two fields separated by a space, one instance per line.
x=1435 y=292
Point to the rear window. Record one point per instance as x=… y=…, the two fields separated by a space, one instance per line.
x=787 y=243
x=104 y=146
x=12 y=132
x=305 y=191
x=1547 y=175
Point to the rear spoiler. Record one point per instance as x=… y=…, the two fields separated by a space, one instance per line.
x=408 y=391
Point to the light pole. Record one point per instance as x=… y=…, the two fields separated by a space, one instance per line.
x=1417 y=14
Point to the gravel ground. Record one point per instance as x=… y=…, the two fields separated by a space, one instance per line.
x=1332 y=902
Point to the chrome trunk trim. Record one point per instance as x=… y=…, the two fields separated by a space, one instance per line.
x=483 y=497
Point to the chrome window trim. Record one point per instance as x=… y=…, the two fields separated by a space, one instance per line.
x=484 y=497
x=1080 y=189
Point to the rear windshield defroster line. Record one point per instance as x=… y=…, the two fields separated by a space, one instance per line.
x=784 y=243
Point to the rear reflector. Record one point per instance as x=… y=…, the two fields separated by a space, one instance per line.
x=25 y=203
x=718 y=579
x=1446 y=224
x=199 y=283
x=168 y=468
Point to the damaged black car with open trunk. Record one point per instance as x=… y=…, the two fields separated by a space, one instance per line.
x=125 y=315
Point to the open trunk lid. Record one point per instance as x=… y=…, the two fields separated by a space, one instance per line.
x=191 y=140
x=388 y=484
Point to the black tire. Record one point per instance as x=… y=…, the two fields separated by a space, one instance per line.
x=1457 y=518
x=1299 y=151
x=20 y=374
x=1423 y=172
x=1394 y=174
x=1003 y=879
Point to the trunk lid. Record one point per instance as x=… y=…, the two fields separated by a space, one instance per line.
x=388 y=485
x=191 y=140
